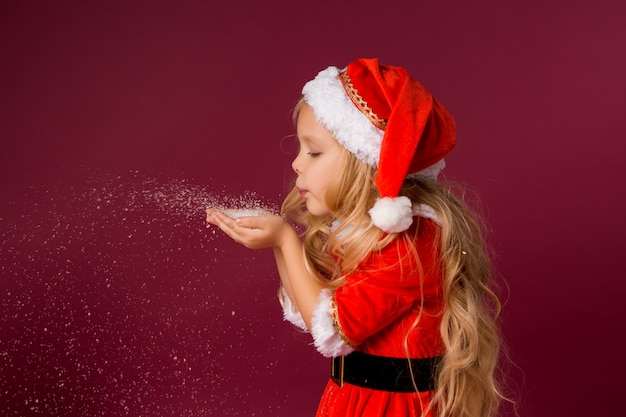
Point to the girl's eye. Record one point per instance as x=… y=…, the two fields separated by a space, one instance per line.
x=314 y=154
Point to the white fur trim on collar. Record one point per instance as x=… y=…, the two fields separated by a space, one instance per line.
x=335 y=111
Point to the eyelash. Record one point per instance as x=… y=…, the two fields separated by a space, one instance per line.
x=314 y=154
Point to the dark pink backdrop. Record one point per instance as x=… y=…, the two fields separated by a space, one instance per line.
x=115 y=305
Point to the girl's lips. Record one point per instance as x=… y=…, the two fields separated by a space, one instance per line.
x=302 y=192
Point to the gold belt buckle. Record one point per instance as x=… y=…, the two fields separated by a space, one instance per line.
x=336 y=370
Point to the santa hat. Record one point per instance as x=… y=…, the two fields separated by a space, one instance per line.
x=389 y=121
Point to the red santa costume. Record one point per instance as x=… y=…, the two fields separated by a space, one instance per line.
x=389 y=308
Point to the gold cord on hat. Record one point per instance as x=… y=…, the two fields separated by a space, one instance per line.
x=358 y=101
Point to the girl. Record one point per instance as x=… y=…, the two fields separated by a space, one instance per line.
x=390 y=275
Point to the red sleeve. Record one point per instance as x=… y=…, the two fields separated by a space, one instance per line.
x=386 y=285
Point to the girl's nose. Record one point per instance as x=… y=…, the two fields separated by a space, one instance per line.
x=295 y=164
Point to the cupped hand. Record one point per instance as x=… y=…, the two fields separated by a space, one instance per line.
x=255 y=232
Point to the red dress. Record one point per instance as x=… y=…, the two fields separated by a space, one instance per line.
x=373 y=312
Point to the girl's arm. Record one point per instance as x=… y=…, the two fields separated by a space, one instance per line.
x=282 y=272
x=273 y=231
x=301 y=285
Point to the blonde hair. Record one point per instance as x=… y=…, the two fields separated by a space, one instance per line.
x=465 y=378
x=466 y=383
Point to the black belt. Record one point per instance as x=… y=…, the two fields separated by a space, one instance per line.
x=384 y=373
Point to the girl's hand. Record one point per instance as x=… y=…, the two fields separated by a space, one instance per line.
x=254 y=232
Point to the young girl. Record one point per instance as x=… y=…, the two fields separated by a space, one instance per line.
x=390 y=275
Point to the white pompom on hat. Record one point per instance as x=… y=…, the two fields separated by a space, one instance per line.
x=389 y=121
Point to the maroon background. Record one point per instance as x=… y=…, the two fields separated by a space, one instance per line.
x=132 y=310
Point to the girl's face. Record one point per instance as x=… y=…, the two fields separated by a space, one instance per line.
x=317 y=163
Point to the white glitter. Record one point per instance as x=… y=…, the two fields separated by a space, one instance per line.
x=236 y=213
x=105 y=276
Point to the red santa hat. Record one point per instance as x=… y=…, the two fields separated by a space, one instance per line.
x=389 y=121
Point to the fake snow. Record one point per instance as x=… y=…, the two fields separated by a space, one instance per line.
x=117 y=300
x=236 y=213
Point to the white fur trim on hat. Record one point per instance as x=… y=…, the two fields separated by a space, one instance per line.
x=427 y=212
x=432 y=172
x=325 y=336
x=335 y=111
x=393 y=215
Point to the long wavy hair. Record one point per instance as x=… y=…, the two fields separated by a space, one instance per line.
x=465 y=378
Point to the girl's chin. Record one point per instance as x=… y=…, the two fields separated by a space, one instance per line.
x=316 y=210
